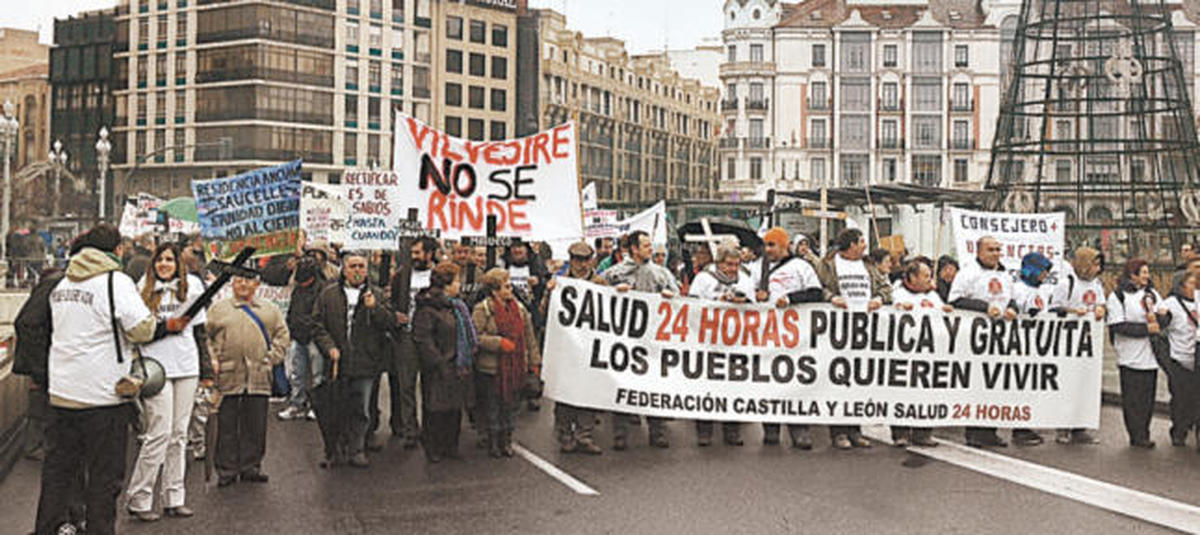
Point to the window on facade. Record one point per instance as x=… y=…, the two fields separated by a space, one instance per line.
x=160 y=105
x=350 y=145
x=475 y=96
x=499 y=130
x=756 y=91
x=374 y=75
x=817 y=170
x=141 y=107
x=730 y=168
x=961 y=134
x=927 y=169
x=756 y=129
x=856 y=94
x=454 y=126
x=143 y=30
x=351 y=33
x=927 y=132
x=888 y=134
x=731 y=91
x=479 y=35
x=500 y=39
x=375 y=36
x=179 y=144
x=854 y=169
x=819 y=96
x=454 y=30
x=819 y=136
x=351 y=108
x=1062 y=171
x=161 y=27
x=454 y=61
x=854 y=131
x=961 y=58
x=962 y=96
x=756 y=168
x=397 y=39
x=960 y=170
x=818 y=55
x=478 y=64
x=181 y=25
x=891 y=96
x=889 y=169
x=856 y=52
x=160 y=68
x=453 y=94
x=731 y=53
x=927 y=52
x=180 y=64
x=397 y=76
x=499 y=67
x=756 y=53
x=351 y=71
x=475 y=129
x=499 y=100
x=889 y=55
x=927 y=93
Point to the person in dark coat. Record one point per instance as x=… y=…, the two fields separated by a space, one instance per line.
x=305 y=364
x=351 y=320
x=442 y=326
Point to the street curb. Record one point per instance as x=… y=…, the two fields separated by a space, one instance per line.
x=1114 y=398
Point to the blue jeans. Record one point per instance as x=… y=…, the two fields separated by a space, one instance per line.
x=305 y=370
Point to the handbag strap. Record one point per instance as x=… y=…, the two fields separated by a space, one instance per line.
x=112 y=313
x=258 y=321
x=1187 y=312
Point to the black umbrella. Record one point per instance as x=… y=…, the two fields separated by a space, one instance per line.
x=327 y=403
x=746 y=236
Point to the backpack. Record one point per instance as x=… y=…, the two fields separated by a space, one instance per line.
x=34 y=327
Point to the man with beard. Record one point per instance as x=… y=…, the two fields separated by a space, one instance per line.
x=573 y=425
x=984 y=286
x=790 y=280
x=402 y=368
x=637 y=272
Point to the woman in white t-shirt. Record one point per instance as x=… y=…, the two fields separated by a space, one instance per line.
x=1132 y=319
x=168 y=290
x=1182 y=324
x=916 y=291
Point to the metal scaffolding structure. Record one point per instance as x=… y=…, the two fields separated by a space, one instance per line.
x=1097 y=122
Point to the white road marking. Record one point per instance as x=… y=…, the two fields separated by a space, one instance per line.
x=1132 y=503
x=553 y=471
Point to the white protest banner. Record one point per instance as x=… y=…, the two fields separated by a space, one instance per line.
x=323 y=212
x=1018 y=234
x=588 y=195
x=130 y=222
x=685 y=358
x=600 y=223
x=652 y=221
x=529 y=183
x=259 y=208
x=372 y=197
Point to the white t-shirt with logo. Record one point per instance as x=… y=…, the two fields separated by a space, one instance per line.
x=83 y=365
x=1133 y=353
x=901 y=295
x=1029 y=298
x=794 y=275
x=995 y=287
x=1182 y=332
x=707 y=286
x=417 y=281
x=1086 y=295
x=854 y=283
x=519 y=277
x=178 y=354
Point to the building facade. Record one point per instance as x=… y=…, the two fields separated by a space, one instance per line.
x=208 y=88
x=646 y=133
x=23 y=81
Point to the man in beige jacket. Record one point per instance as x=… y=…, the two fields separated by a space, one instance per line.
x=246 y=336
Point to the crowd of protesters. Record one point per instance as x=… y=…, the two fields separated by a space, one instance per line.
x=463 y=334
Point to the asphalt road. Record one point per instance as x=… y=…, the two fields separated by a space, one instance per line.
x=684 y=489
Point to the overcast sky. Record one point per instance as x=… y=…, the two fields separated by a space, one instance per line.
x=645 y=25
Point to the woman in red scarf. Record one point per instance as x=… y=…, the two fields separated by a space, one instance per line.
x=508 y=353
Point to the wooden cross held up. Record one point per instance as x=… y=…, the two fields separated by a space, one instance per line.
x=410 y=231
x=491 y=241
x=224 y=271
x=708 y=237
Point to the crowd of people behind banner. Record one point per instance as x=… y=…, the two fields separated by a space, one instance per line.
x=465 y=336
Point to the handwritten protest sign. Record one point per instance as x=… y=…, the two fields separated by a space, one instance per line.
x=323 y=212
x=260 y=209
x=1018 y=234
x=639 y=353
x=530 y=183
x=373 y=198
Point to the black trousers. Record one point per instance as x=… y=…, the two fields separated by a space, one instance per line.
x=772 y=430
x=441 y=431
x=1137 y=401
x=1185 y=399
x=402 y=372
x=87 y=443
x=241 y=435
x=704 y=428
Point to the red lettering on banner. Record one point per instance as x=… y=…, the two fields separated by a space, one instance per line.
x=791 y=320
x=771 y=329
x=539 y=145
x=448 y=151
x=750 y=335
x=473 y=152
x=731 y=318
x=437 y=201
x=514 y=216
x=561 y=141
x=418 y=132
x=708 y=325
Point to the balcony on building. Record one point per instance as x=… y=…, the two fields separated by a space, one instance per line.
x=890 y=143
x=730 y=104
x=762 y=104
x=750 y=68
x=890 y=106
x=962 y=144
x=818 y=143
x=822 y=104
x=759 y=143
x=965 y=105
x=730 y=142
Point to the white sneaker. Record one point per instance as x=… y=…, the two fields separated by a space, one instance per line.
x=1063 y=436
x=291 y=413
x=311 y=415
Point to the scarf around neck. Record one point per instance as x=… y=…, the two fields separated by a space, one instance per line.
x=511 y=366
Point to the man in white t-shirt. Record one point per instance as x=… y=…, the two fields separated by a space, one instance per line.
x=984 y=286
x=90 y=425
x=847 y=283
x=790 y=280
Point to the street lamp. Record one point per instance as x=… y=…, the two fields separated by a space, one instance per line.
x=58 y=157
x=8 y=137
x=103 y=147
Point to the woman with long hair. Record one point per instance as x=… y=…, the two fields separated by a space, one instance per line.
x=168 y=290
x=445 y=340
x=1132 y=320
x=508 y=353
